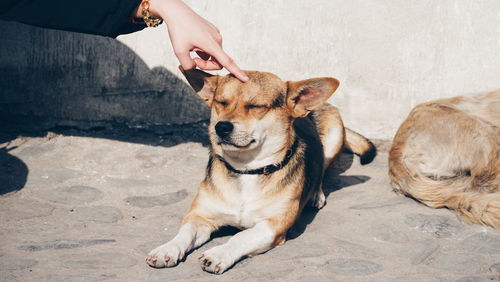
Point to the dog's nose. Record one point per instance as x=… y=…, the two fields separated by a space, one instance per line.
x=224 y=128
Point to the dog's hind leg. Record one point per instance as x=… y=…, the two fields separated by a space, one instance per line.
x=318 y=200
x=194 y=231
x=331 y=131
x=332 y=134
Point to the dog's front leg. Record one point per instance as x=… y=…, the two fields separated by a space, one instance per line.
x=255 y=240
x=193 y=233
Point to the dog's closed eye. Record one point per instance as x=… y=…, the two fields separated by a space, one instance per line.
x=255 y=107
x=222 y=103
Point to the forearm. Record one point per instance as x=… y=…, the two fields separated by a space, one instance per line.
x=109 y=18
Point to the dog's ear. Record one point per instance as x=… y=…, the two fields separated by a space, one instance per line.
x=305 y=95
x=203 y=83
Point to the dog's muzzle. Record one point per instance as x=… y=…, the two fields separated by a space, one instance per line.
x=224 y=129
x=230 y=138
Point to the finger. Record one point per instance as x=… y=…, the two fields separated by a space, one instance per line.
x=218 y=38
x=207 y=65
x=229 y=64
x=213 y=26
x=185 y=60
x=216 y=62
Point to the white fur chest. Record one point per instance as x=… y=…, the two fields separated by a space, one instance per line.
x=248 y=200
x=245 y=202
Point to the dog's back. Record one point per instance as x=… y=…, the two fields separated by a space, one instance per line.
x=447 y=154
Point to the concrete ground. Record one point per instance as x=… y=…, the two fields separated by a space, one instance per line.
x=88 y=206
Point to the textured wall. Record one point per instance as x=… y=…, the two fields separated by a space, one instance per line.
x=51 y=78
x=388 y=55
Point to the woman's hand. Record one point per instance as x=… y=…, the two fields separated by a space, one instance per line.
x=190 y=32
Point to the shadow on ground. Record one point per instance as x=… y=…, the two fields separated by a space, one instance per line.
x=332 y=182
x=83 y=85
x=13 y=172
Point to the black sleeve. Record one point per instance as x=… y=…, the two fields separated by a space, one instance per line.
x=102 y=17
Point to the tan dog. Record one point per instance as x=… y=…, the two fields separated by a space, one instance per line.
x=270 y=144
x=447 y=154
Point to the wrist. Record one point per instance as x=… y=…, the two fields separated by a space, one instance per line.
x=170 y=10
x=155 y=8
x=162 y=9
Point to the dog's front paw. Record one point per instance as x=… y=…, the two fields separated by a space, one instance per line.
x=216 y=260
x=166 y=255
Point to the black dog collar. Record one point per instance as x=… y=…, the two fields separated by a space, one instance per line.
x=268 y=169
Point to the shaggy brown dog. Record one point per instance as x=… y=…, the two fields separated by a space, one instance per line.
x=447 y=154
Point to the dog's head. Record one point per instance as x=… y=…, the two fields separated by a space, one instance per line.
x=245 y=115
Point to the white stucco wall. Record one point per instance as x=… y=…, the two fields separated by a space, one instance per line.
x=388 y=55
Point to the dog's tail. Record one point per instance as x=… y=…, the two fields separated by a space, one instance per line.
x=359 y=145
x=456 y=193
